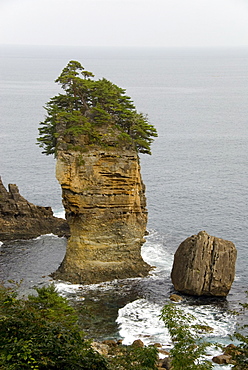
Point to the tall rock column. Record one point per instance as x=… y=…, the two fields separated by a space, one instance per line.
x=95 y=132
x=104 y=199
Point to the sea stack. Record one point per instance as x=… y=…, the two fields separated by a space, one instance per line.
x=95 y=132
x=104 y=199
x=204 y=265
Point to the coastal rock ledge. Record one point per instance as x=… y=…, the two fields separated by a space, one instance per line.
x=104 y=200
x=204 y=265
x=20 y=219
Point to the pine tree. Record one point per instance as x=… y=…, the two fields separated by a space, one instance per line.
x=88 y=105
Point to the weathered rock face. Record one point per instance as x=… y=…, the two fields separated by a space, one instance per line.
x=105 y=205
x=204 y=265
x=20 y=219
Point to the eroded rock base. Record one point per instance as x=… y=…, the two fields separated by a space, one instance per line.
x=93 y=273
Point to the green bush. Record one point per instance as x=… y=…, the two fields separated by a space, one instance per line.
x=42 y=332
x=134 y=358
x=240 y=352
x=188 y=348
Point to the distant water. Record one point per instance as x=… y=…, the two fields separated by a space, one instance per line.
x=195 y=180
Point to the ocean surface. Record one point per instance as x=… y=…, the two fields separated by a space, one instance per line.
x=196 y=178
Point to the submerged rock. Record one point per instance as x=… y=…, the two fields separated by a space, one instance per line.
x=20 y=219
x=204 y=265
x=104 y=200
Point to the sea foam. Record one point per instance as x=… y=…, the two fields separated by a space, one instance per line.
x=59 y=213
x=140 y=320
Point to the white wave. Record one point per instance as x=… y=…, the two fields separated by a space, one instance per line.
x=64 y=288
x=140 y=320
x=220 y=321
x=223 y=367
x=154 y=253
x=104 y=286
x=59 y=213
x=1 y=243
x=47 y=236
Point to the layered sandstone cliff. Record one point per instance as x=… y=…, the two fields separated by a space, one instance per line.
x=20 y=219
x=104 y=199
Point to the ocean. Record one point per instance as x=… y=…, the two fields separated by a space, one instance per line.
x=196 y=177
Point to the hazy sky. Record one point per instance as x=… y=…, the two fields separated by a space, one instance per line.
x=125 y=22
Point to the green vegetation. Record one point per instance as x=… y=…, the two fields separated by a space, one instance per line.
x=189 y=348
x=134 y=358
x=42 y=332
x=92 y=107
x=240 y=352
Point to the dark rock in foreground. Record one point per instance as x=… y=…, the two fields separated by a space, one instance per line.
x=204 y=265
x=20 y=219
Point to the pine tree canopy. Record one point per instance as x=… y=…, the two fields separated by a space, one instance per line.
x=88 y=105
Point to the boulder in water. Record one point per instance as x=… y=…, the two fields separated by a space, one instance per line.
x=204 y=265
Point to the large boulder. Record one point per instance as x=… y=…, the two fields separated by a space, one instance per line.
x=204 y=265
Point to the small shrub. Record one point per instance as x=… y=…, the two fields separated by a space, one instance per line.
x=189 y=349
x=134 y=358
x=240 y=354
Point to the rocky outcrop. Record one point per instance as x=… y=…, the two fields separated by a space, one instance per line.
x=230 y=355
x=104 y=200
x=223 y=359
x=20 y=219
x=204 y=265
